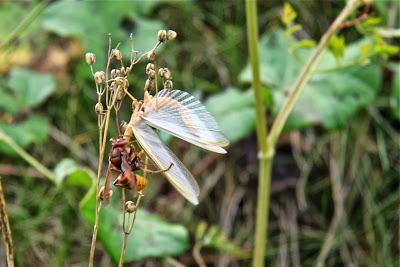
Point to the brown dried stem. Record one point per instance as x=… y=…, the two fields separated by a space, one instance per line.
x=5 y=226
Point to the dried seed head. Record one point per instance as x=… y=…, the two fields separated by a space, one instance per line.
x=100 y=77
x=120 y=94
x=148 y=85
x=130 y=206
x=171 y=35
x=167 y=74
x=151 y=55
x=123 y=71
x=113 y=73
x=101 y=193
x=90 y=58
x=168 y=84
x=161 y=72
x=123 y=126
x=98 y=108
x=117 y=54
x=149 y=66
x=152 y=74
x=162 y=35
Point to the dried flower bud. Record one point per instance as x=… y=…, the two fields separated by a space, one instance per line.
x=117 y=54
x=162 y=35
x=171 y=35
x=130 y=206
x=123 y=126
x=113 y=73
x=167 y=74
x=120 y=94
x=123 y=71
x=100 y=77
x=161 y=72
x=152 y=74
x=101 y=193
x=98 y=108
x=149 y=66
x=168 y=84
x=151 y=55
x=149 y=84
x=90 y=58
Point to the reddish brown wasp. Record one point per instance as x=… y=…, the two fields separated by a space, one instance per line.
x=125 y=161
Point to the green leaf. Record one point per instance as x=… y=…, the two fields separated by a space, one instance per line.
x=92 y=21
x=27 y=89
x=234 y=112
x=151 y=235
x=337 y=46
x=63 y=169
x=333 y=94
x=34 y=130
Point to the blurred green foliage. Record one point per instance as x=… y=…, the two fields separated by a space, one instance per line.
x=357 y=79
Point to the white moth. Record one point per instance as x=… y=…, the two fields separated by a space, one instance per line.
x=180 y=114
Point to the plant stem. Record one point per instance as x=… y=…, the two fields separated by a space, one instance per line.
x=308 y=69
x=265 y=151
x=24 y=24
x=28 y=158
x=5 y=227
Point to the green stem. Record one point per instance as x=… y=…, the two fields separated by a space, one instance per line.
x=24 y=24
x=265 y=151
x=28 y=158
x=308 y=69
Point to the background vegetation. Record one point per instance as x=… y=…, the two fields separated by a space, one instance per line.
x=335 y=181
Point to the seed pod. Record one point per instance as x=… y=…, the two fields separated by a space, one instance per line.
x=117 y=54
x=171 y=35
x=167 y=74
x=98 y=108
x=113 y=73
x=151 y=55
x=152 y=74
x=123 y=71
x=101 y=193
x=161 y=72
x=148 y=85
x=149 y=66
x=90 y=58
x=120 y=94
x=168 y=84
x=130 y=206
x=100 y=77
x=162 y=35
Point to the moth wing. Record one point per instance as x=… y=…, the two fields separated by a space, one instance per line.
x=177 y=174
x=180 y=114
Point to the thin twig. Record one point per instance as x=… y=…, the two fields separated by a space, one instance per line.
x=197 y=255
x=5 y=227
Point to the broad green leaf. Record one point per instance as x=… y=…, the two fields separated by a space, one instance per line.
x=151 y=235
x=333 y=94
x=234 y=112
x=26 y=89
x=92 y=21
x=33 y=130
x=63 y=169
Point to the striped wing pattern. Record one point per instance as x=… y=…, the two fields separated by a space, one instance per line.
x=180 y=114
x=177 y=174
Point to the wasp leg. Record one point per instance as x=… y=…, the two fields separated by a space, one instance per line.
x=105 y=193
x=158 y=171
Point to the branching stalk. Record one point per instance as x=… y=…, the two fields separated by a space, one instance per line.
x=265 y=151
x=267 y=145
